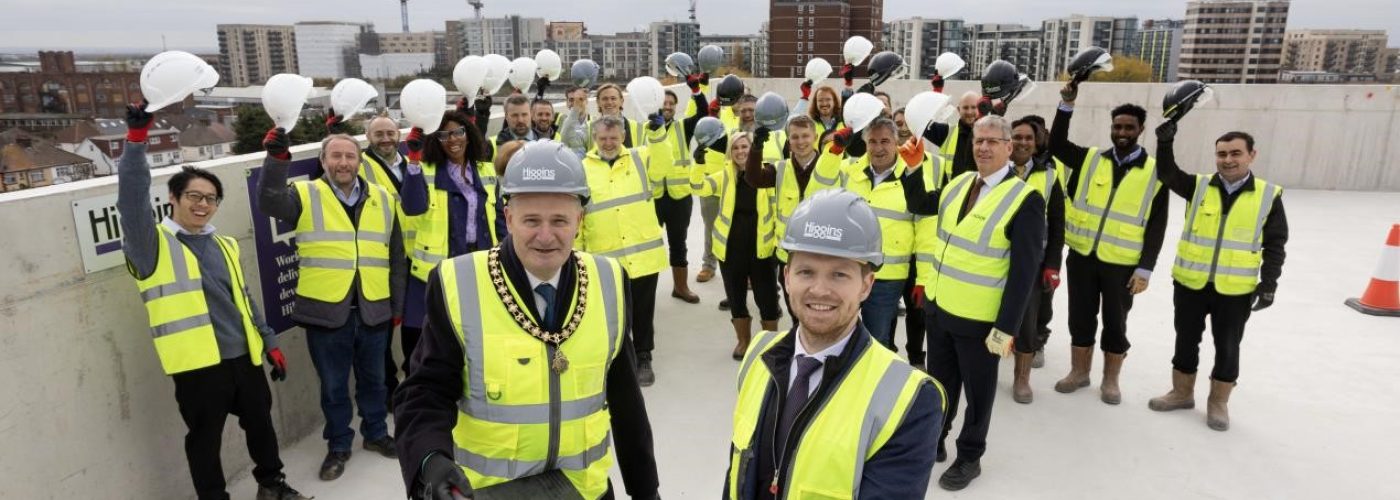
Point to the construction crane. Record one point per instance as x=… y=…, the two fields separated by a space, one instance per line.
x=481 y=25
x=692 y=11
x=476 y=5
x=403 y=10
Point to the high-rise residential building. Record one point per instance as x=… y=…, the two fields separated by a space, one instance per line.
x=1017 y=44
x=1357 y=55
x=511 y=36
x=1063 y=38
x=1159 y=45
x=794 y=25
x=623 y=56
x=418 y=43
x=920 y=41
x=758 y=48
x=668 y=37
x=1233 y=41
x=453 y=35
x=1391 y=73
x=329 y=49
x=249 y=54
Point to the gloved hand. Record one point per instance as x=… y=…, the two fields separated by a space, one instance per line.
x=655 y=121
x=277 y=144
x=1069 y=92
x=442 y=479
x=806 y=90
x=868 y=88
x=989 y=106
x=1050 y=279
x=937 y=82
x=482 y=105
x=1166 y=132
x=699 y=155
x=705 y=79
x=848 y=74
x=912 y=151
x=693 y=81
x=464 y=106
x=999 y=342
x=1263 y=297
x=919 y=297
x=279 y=364
x=138 y=122
x=415 y=145
x=760 y=136
x=840 y=140
x=714 y=108
x=540 y=85
x=334 y=122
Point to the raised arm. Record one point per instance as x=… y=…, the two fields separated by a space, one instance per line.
x=140 y=242
x=275 y=198
x=1181 y=183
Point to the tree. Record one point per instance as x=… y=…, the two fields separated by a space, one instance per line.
x=250 y=124
x=1126 y=69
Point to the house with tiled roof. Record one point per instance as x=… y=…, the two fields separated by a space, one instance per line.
x=206 y=140
x=105 y=150
x=27 y=161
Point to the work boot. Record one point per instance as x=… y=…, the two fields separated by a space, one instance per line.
x=771 y=326
x=278 y=490
x=681 y=289
x=1217 y=405
x=645 y=377
x=1080 y=360
x=383 y=446
x=1181 y=397
x=1039 y=361
x=334 y=465
x=743 y=333
x=960 y=474
x=1112 y=366
x=706 y=274
x=724 y=304
x=1021 y=387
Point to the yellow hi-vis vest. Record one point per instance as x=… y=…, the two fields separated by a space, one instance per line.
x=715 y=162
x=179 y=315
x=332 y=249
x=886 y=199
x=620 y=218
x=1111 y=220
x=1044 y=181
x=1225 y=249
x=431 y=228
x=935 y=172
x=822 y=128
x=725 y=183
x=378 y=175
x=516 y=417
x=949 y=148
x=677 y=152
x=846 y=431
x=786 y=195
x=972 y=257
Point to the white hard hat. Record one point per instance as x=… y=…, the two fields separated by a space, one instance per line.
x=469 y=75
x=171 y=76
x=817 y=70
x=350 y=95
x=497 y=70
x=856 y=49
x=522 y=73
x=283 y=97
x=860 y=110
x=549 y=65
x=948 y=64
x=646 y=96
x=925 y=108
x=423 y=102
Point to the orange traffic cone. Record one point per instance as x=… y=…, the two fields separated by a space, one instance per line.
x=1382 y=296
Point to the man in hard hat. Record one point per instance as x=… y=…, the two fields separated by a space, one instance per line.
x=1227 y=264
x=209 y=334
x=350 y=287
x=621 y=221
x=1114 y=225
x=674 y=205
x=788 y=177
x=823 y=411
x=524 y=372
x=991 y=231
x=542 y=119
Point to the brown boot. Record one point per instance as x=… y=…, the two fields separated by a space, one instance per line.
x=771 y=326
x=706 y=274
x=1217 y=405
x=742 y=331
x=1181 y=397
x=1021 y=387
x=1080 y=360
x=681 y=289
x=1112 y=366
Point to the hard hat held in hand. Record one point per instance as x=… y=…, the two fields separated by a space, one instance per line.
x=423 y=102
x=1089 y=61
x=522 y=73
x=771 y=111
x=860 y=110
x=924 y=109
x=584 y=73
x=171 y=76
x=949 y=64
x=1184 y=96
x=886 y=65
x=817 y=70
x=729 y=90
x=468 y=76
x=283 y=97
x=679 y=64
x=837 y=223
x=545 y=166
x=497 y=71
x=708 y=130
x=350 y=95
x=548 y=65
x=645 y=95
x=856 y=50
x=710 y=58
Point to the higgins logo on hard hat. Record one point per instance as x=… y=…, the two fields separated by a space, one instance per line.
x=538 y=174
x=823 y=232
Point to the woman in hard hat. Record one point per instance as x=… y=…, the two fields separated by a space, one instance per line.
x=742 y=240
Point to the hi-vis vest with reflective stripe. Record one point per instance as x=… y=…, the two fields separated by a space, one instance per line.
x=179 y=315
x=822 y=128
x=886 y=199
x=431 y=228
x=972 y=257
x=1111 y=220
x=1225 y=249
x=516 y=416
x=786 y=195
x=677 y=184
x=949 y=149
x=332 y=249
x=715 y=162
x=378 y=175
x=935 y=171
x=725 y=182
x=848 y=428
x=1044 y=180
x=620 y=219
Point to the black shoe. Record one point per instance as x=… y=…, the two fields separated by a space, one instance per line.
x=279 y=491
x=942 y=455
x=959 y=475
x=645 y=377
x=334 y=465
x=383 y=446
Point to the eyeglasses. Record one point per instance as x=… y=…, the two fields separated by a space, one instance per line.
x=988 y=141
x=197 y=198
x=458 y=132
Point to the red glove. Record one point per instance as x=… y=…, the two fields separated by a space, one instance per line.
x=714 y=108
x=840 y=140
x=1050 y=278
x=806 y=90
x=919 y=296
x=988 y=106
x=279 y=364
x=704 y=78
x=848 y=73
x=138 y=122
x=398 y=321
x=333 y=122
x=693 y=81
x=937 y=82
x=277 y=144
x=415 y=145
x=464 y=106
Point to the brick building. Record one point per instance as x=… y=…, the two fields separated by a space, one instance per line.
x=799 y=30
x=60 y=88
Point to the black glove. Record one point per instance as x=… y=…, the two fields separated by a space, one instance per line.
x=463 y=105
x=699 y=155
x=138 y=122
x=868 y=88
x=705 y=79
x=1069 y=92
x=441 y=478
x=335 y=124
x=1263 y=297
x=937 y=82
x=760 y=136
x=483 y=111
x=655 y=121
x=540 y=86
x=277 y=144
x=1166 y=132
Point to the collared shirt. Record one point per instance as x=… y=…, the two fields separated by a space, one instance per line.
x=990 y=182
x=1023 y=170
x=463 y=183
x=1137 y=152
x=349 y=199
x=801 y=350
x=876 y=177
x=394 y=165
x=540 y=303
x=1231 y=187
x=178 y=229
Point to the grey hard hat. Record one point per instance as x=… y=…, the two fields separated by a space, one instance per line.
x=680 y=64
x=708 y=130
x=771 y=111
x=545 y=166
x=584 y=72
x=711 y=57
x=838 y=223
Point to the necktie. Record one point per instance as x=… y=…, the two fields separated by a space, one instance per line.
x=546 y=291
x=972 y=197
x=797 y=397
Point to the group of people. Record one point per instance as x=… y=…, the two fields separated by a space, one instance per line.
x=521 y=272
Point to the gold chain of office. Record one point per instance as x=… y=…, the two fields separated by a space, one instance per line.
x=498 y=279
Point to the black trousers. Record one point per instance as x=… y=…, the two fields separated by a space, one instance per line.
x=408 y=340
x=206 y=398
x=737 y=270
x=1093 y=282
x=1029 y=339
x=674 y=216
x=643 y=291
x=1047 y=311
x=1228 y=314
x=913 y=324
x=958 y=358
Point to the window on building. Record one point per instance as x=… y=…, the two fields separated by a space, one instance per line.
x=63 y=172
x=157 y=158
x=11 y=178
x=36 y=176
x=800 y=21
x=811 y=34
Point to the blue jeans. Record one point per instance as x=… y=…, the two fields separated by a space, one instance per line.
x=334 y=352
x=878 y=310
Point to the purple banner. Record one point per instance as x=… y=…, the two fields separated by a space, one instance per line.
x=277 y=250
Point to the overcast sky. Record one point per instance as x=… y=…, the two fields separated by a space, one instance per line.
x=189 y=24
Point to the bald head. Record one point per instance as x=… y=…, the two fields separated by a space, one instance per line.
x=967 y=107
x=383 y=135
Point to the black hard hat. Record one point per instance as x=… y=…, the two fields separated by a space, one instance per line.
x=1182 y=97
x=1087 y=61
x=729 y=90
x=1000 y=80
x=884 y=65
